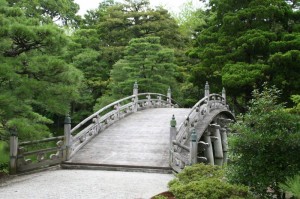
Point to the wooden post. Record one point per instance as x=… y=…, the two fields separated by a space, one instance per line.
x=159 y=101
x=209 y=151
x=206 y=90
x=173 y=132
x=218 y=142
x=67 y=138
x=135 y=93
x=149 y=101
x=117 y=107
x=169 y=97
x=224 y=95
x=193 y=148
x=224 y=139
x=13 y=151
x=206 y=94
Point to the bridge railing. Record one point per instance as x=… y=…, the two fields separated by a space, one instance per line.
x=182 y=140
x=26 y=156
x=202 y=107
x=31 y=155
x=86 y=130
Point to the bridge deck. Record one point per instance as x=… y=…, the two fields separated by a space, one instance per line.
x=140 y=139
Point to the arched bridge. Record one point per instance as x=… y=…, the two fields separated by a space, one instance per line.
x=135 y=133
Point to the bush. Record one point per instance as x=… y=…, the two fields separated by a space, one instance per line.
x=4 y=157
x=264 y=144
x=204 y=181
x=292 y=185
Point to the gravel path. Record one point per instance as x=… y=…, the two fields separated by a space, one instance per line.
x=87 y=184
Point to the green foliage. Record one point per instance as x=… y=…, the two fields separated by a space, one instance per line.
x=292 y=185
x=265 y=143
x=245 y=43
x=4 y=157
x=101 y=40
x=146 y=62
x=296 y=100
x=35 y=82
x=63 y=11
x=205 y=181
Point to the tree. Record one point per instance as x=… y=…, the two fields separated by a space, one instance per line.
x=189 y=19
x=35 y=82
x=104 y=34
x=63 y=11
x=247 y=43
x=264 y=144
x=146 y=62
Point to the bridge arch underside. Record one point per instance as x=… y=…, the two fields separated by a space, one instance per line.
x=210 y=146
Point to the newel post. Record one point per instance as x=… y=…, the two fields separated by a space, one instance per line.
x=173 y=132
x=206 y=89
x=169 y=97
x=13 y=151
x=67 y=138
x=206 y=94
x=193 y=148
x=135 y=93
x=224 y=95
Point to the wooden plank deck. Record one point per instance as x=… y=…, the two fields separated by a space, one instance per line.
x=141 y=139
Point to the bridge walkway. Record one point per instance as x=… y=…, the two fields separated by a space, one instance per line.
x=139 y=140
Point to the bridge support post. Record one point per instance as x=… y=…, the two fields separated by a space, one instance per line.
x=224 y=139
x=135 y=93
x=209 y=151
x=193 y=148
x=13 y=151
x=169 y=98
x=173 y=132
x=67 y=138
x=218 y=142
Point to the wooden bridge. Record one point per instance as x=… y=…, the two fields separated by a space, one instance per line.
x=142 y=132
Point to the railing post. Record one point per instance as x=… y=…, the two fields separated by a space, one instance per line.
x=193 y=148
x=206 y=94
x=173 y=133
x=224 y=95
x=117 y=107
x=135 y=93
x=159 y=101
x=149 y=101
x=206 y=90
x=169 y=98
x=67 y=138
x=13 y=151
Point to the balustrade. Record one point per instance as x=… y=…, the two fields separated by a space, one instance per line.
x=202 y=136
x=24 y=158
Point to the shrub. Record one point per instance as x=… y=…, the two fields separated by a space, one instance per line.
x=205 y=181
x=264 y=144
x=292 y=185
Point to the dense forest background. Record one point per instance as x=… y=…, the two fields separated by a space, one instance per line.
x=54 y=62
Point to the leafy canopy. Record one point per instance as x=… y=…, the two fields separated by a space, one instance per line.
x=264 y=144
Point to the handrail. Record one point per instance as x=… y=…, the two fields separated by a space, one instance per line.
x=159 y=94
x=99 y=111
x=112 y=105
x=203 y=101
